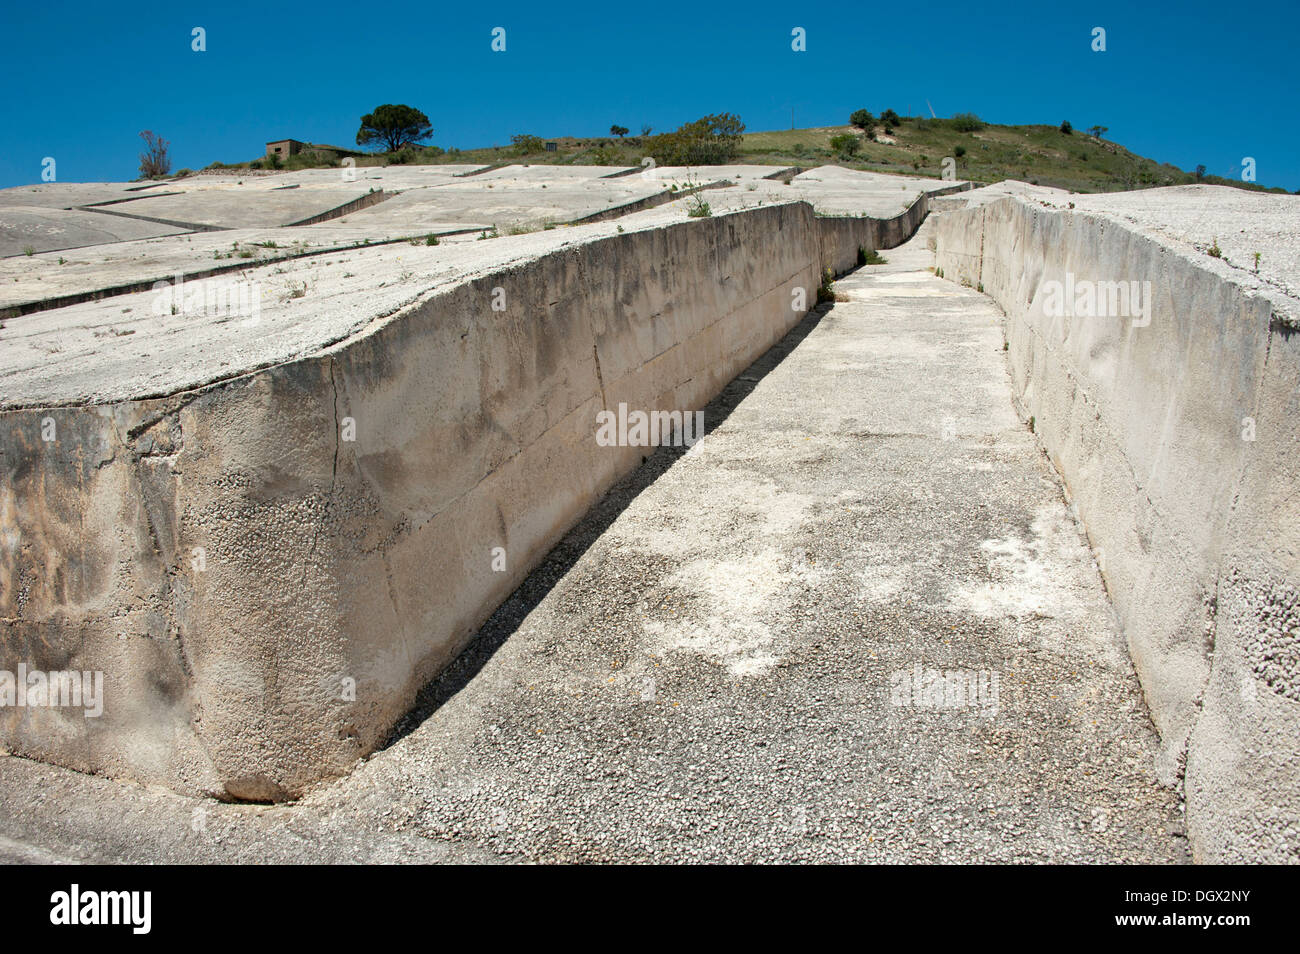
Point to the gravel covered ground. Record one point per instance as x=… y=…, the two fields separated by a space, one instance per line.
x=733 y=657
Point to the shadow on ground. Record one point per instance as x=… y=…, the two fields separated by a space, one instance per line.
x=509 y=616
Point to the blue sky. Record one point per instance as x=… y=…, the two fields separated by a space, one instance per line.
x=1185 y=82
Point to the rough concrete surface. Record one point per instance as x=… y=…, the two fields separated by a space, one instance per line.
x=24 y=228
x=192 y=437
x=734 y=654
x=701 y=670
x=1176 y=431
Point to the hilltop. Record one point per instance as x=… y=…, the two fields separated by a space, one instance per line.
x=1038 y=154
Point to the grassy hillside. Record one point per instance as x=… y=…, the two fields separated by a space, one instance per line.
x=914 y=146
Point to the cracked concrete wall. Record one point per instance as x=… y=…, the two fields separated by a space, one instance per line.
x=269 y=568
x=1196 y=527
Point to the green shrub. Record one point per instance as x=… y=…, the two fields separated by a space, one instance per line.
x=890 y=118
x=696 y=207
x=525 y=144
x=862 y=119
x=847 y=144
x=826 y=291
x=709 y=141
x=966 y=122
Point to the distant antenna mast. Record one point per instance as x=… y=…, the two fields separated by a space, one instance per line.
x=932 y=115
x=792 y=117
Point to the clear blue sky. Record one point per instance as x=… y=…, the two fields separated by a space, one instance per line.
x=1186 y=82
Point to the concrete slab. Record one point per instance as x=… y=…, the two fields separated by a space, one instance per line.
x=506 y=202
x=547 y=173
x=253 y=205
x=830 y=190
x=119 y=348
x=48 y=229
x=1000 y=190
x=28 y=281
x=67 y=195
x=1197 y=216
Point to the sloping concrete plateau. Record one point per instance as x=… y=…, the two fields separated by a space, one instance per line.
x=270 y=545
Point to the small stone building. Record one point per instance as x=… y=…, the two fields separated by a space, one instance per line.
x=284 y=148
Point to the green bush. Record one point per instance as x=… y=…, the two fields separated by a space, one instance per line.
x=826 y=291
x=698 y=208
x=966 y=122
x=890 y=118
x=862 y=119
x=709 y=141
x=525 y=144
x=846 y=144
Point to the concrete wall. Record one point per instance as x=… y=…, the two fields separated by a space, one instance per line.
x=842 y=236
x=1197 y=528
x=264 y=595
x=347 y=208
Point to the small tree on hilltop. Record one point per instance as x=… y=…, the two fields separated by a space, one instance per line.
x=890 y=118
x=1098 y=131
x=966 y=122
x=525 y=144
x=1067 y=128
x=619 y=131
x=395 y=126
x=154 y=161
x=710 y=140
x=846 y=144
x=862 y=119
